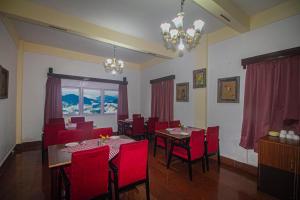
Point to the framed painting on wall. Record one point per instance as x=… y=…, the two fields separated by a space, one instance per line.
x=199 y=78
x=182 y=92
x=229 y=90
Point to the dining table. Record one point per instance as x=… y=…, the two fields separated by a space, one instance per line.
x=127 y=123
x=60 y=155
x=73 y=126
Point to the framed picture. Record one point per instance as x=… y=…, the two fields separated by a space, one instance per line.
x=182 y=92
x=4 y=75
x=199 y=78
x=229 y=90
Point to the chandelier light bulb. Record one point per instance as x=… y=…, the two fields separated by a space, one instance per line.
x=191 y=32
x=178 y=21
x=113 y=72
x=198 y=25
x=165 y=28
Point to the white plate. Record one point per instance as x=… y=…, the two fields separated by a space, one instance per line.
x=71 y=144
x=169 y=129
x=184 y=133
x=114 y=137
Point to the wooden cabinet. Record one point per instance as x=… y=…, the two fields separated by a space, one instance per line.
x=279 y=167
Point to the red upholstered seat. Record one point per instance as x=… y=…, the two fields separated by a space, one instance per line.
x=87 y=176
x=50 y=134
x=174 y=124
x=101 y=131
x=67 y=136
x=212 y=144
x=151 y=125
x=130 y=166
x=57 y=121
x=77 y=119
x=138 y=128
x=190 y=153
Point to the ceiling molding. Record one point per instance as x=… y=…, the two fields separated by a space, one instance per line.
x=42 y=15
x=271 y=15
x=68 y=54
x=152 y=62
x=276 y=13
x=227 y=12
x=11 y=29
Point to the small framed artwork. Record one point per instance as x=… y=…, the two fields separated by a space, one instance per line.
x=182 y=92
x=4 y=76
x=199 y=78
x=229 y=90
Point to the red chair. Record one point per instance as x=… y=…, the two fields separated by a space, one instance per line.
x=57 y=121
x=77 y=119
x=174 y=124
x=138 y=128
x=212 y=144
x=49 y=137
x=151 y=126
x=159 y=140
x=67 y=136
x=88 y=175
x=136 y=116
x=101 y=131
x=190 y=153
x=121 y=124
x=130 y=167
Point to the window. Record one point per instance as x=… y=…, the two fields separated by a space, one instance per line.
x=110 y=101
x=70 y=101
x=89 y=98
x=91 y=101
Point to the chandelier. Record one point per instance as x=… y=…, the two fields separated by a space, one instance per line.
x=113 y=65
x=177 y=38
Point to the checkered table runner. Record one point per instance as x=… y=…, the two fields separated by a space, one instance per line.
x=114 y=145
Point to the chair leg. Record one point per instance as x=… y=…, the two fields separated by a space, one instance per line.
x=219 y=159
x=147 y=187
x=170 y=156
x=166 y=150
x=203 y=164
x=155 y=144
x=190 y=165
x=207 y=162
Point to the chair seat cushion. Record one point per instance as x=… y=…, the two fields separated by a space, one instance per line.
x=182 y=153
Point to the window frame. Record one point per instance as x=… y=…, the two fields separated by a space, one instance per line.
x=104 y=100
x=79 y=100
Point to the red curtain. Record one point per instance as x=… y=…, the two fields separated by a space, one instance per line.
x=272 y=99
x=162 y=100
x=123 y=100
x=53 y=102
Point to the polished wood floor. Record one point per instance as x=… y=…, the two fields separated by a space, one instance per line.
x=24 y=177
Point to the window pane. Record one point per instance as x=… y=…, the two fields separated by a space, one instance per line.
x=70 y=101
x=91 y=101
x=110 y=101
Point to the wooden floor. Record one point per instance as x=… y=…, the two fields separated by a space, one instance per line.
x=24 y=177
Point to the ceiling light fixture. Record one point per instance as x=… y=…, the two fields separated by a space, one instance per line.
x=113 y=65
x=176 y=38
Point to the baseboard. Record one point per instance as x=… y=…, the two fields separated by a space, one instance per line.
x=28 y=146
x=6 y=156
x=238 y=165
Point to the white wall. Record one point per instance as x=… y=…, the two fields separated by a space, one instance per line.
x=224 y=60
x=8 y=59
x=34 y=81
x=182 y=68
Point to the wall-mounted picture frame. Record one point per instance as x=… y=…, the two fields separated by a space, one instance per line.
x=4 y=76
x=229 y=90
x=199 y=78
x=182 y=92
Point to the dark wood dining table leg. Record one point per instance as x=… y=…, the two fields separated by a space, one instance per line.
x=54 y=183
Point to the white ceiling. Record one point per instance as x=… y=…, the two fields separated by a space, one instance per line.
x=140 y=18
x=56 y=38
x=252 y=7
